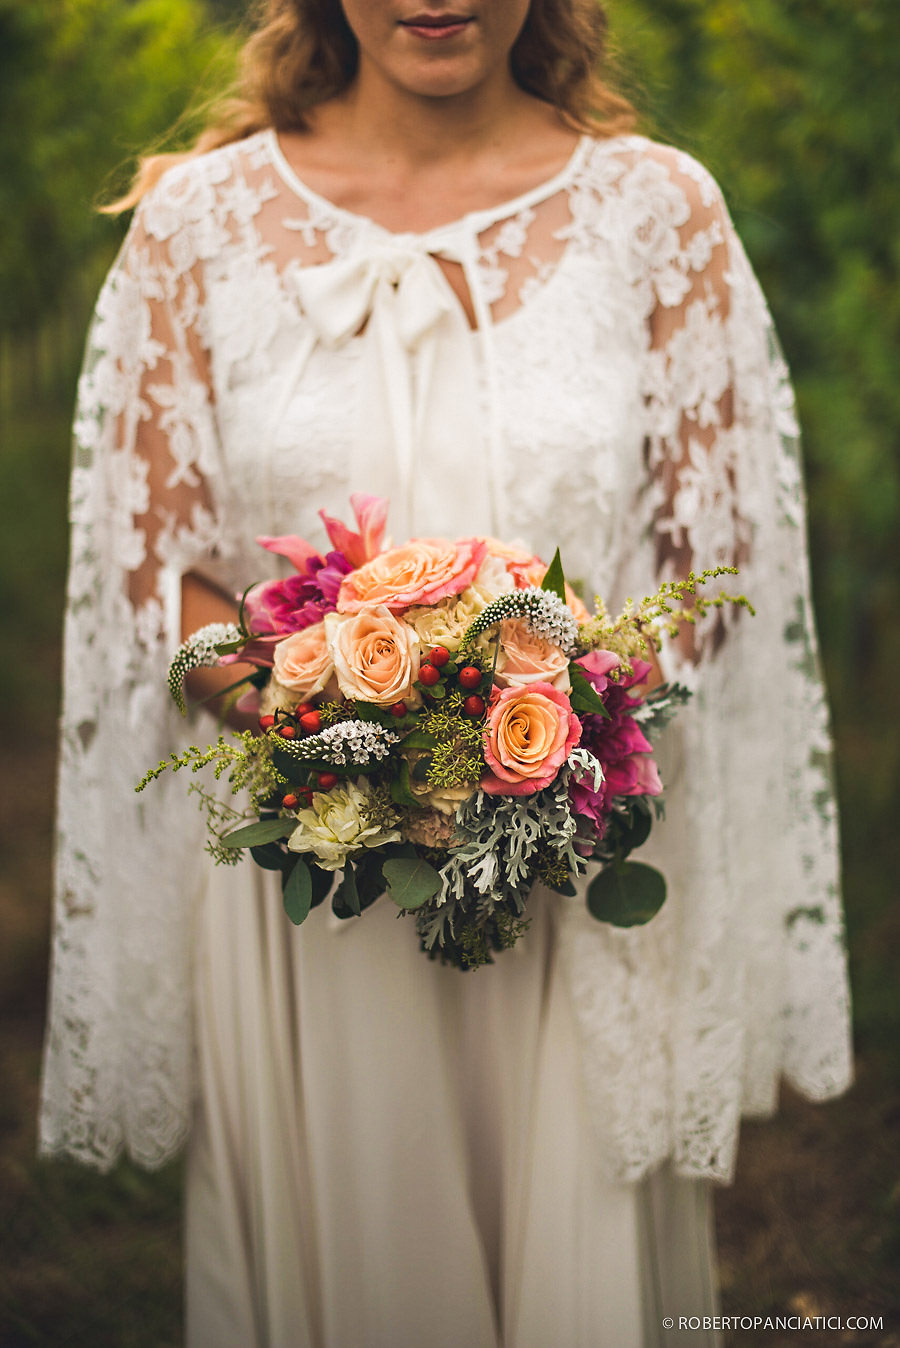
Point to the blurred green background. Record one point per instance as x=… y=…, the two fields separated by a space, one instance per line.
x=792 y=104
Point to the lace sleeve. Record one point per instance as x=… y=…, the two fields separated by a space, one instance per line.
x=693 y=435
x=742 y=977
x=117 y=1056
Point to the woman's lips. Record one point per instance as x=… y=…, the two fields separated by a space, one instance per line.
x=435 y=27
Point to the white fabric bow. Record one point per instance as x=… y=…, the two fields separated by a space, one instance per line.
x=419 y=441
x=339 y=296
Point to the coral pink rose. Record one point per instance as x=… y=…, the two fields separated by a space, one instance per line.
x=376 y=656
x=529 y=735
x=527 y=658
x=422 y=571
x=302 y=661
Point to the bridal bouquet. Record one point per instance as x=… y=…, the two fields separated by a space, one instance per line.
x=444 y=722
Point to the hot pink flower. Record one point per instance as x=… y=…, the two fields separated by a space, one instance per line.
x=529 y=735
x=618 y=742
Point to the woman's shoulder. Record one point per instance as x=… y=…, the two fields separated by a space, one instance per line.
x=655 y=174
x=198 y=190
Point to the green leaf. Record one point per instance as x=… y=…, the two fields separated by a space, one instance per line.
x=584 y=696
x=368 y=711
x=411 y=883
x=637 y=831
x=369 y=879
x=626 y=894
x=321 y=883
x=294 y=769
x=554 y=580
x=419 y=739
x=252 y=835
x=348 y=890
x=241 y=624
x=298 y=891
x=401 y=792
x=269 y=856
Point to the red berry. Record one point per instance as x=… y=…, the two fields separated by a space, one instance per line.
x=266 y=722
x=438 y=655
x=311 y=721
x=469 y=676
x=429 y=675
x=474 y=705
x=398 y=709
x=327 y=780
x=302 y=708
x=287 y=732
x=290 y=801
x=305 y=793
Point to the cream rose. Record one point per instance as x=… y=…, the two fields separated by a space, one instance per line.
x=376 y=656
x=527 y=658
x=302 y=661
x=446 y=623
x=422 y=571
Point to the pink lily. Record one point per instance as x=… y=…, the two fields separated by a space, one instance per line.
x=297 y=550
x=371 y=515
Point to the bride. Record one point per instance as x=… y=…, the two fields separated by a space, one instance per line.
x=427 y=258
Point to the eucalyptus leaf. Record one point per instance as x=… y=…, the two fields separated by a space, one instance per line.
x=253 y=835
x=297 y=895
x=626 y=894
x=554 y=579
x=411 y=882
x=269 y=856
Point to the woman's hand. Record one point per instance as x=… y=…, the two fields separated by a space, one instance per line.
x=203 y=603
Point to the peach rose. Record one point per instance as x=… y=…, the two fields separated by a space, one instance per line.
x=376 y=656
x=533 y=573
x=302 y=661
x=529 y=735
x=527 y=658
x=422 y=571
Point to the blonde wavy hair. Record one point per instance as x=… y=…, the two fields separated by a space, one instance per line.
x=303 y=52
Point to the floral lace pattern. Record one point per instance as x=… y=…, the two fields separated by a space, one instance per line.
x=624 y=392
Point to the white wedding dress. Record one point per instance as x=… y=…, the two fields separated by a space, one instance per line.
x=385 y=1153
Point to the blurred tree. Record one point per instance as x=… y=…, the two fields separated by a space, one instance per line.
x=792 y=104
x=84 y=84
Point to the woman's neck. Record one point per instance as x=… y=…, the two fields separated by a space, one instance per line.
x=389 y=124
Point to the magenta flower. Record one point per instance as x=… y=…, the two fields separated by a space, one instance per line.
x=618 y=742
x=284 y=606
x=279 y=607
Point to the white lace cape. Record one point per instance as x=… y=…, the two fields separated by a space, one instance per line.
x=622 y=284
